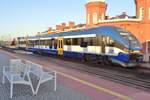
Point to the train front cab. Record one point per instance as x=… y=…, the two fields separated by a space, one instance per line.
x=127 y=59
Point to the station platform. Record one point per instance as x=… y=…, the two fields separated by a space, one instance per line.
x=72 y=84
x=145 y=65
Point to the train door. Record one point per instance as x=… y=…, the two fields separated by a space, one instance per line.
x=103 y=44
x=60 y=42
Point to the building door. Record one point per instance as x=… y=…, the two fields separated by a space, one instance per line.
x=60 y=43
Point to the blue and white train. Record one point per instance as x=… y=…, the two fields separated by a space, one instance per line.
x=107 y=44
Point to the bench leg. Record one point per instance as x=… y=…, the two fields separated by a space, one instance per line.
x=37 y=87
x=32 y=88
x=11 y=90
x=55 y=82
x=3 y=81
x=30 y=84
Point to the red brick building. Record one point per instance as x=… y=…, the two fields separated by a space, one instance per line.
x=138 y=25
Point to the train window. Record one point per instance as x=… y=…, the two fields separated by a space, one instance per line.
x=50 y=44
x=34 y=42
x=96 y=41
x=67 y=41
x=79 y=41
x=103 y=40
x=88 y=41
x=58 y=43
x=31 y=43
x=99 y=40
x=47 y=42
x=37 y=42
x=41 y=42
x=55 y=44
x=61 y=43
x=21 y=42
x=74 y=41
x=84 y=44
x=109 y=42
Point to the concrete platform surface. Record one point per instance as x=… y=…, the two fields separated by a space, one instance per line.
x=46 y=92
x=89 y=86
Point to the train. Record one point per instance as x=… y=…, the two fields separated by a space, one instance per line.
x=105 y=44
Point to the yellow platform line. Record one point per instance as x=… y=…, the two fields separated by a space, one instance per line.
x=118 y=95
x=122 y=97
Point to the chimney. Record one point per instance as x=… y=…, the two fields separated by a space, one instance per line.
x=71 y=24
x=49 y=30
x=63 y=25
x=58 y=27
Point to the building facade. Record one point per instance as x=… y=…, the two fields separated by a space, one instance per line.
x=138 y=25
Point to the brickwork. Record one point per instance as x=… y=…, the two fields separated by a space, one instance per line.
x=140 y=27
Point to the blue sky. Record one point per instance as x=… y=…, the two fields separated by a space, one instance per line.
x=21 y=17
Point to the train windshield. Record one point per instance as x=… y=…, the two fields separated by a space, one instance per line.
x=133 y=41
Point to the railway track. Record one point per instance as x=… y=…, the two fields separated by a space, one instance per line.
x=129 y=77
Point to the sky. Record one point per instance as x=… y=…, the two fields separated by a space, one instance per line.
x=22 y=17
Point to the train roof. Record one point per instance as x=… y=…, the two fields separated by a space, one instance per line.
x=111 y=31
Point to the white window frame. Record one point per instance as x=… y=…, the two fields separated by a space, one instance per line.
x=141 y=11
x=95 y=19
x=102 y=16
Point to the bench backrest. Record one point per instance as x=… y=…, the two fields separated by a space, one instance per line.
x=17 y=66
x=14 y=64
x=36 y=69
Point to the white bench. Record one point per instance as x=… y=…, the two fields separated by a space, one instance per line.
x=43 y=76
x=16 y=73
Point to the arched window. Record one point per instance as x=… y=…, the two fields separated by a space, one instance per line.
x=141 y=12
x=94 y=18
x=102 y=16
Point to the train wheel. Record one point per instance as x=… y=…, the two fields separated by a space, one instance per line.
x=86 y=57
